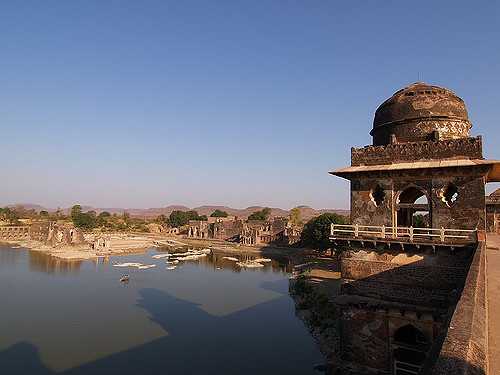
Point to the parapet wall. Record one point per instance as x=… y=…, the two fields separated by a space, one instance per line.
x=15 y=233
x=461 y=148
x=465 y=345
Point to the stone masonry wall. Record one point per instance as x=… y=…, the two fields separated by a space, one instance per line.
x=464 y=349
x=425 y=279
x=462 y=148
x=467 y=212
x=363 y=208
x=15 y=233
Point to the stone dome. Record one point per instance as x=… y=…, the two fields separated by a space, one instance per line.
x=420 y=112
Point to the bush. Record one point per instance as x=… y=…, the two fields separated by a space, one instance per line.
x=316 y=233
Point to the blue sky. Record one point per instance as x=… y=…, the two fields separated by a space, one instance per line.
x=150 y=103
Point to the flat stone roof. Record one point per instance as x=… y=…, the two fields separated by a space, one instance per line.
x=493 y=175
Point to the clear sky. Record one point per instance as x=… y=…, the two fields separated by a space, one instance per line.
x=150 y=103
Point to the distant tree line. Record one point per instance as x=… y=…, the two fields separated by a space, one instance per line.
x=9 y=215
x=178 y=218
x=115 y=222
x=219 y=213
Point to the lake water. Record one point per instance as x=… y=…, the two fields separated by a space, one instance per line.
x=205 y=317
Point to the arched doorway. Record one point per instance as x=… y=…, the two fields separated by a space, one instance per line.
x=410 y=347
x=413 y=208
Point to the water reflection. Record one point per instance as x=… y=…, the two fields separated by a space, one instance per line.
x=9 y=256
x=207 y=316
x=43 y=263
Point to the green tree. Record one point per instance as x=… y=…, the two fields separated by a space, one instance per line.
x=295 y=216
x=316 y=233
x=9 y=215
x=178 y=218
x=44 y=214
x=76 y=210
x=260 y=215
x=87 y=220
x=219 y=213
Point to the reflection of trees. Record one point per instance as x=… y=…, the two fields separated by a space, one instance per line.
x=319 y=314
x=45 y=263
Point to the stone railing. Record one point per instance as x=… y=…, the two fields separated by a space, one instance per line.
x=403 y=234
x=410 y=151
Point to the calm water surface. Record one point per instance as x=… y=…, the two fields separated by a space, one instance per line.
x=205 y=317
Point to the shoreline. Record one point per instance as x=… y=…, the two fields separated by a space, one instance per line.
x=136 y=243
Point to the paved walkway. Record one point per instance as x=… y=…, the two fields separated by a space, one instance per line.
x=493 y=279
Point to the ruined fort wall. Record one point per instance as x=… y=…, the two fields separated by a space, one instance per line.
x=465 y=345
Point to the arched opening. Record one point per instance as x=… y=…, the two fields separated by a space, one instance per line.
x=377 y=195
x=449 y=194
x=409 y=350
x=413 y=208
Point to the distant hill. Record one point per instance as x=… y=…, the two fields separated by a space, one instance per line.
x=305 y=211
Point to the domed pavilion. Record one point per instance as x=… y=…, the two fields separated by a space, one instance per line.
x=417 y=217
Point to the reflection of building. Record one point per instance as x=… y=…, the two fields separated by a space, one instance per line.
x=400 y=281
x=493 y=212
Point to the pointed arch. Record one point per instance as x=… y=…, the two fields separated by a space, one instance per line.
x=413 y=206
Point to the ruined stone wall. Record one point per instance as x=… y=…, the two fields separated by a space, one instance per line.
x=364 y=210
x=367 y=336
x=14 y=233
x=226 y=230
x=462 y=148
x=467 y=212
x=425 y=279
x=39 y=231
x=463 y=349
x=364 y=340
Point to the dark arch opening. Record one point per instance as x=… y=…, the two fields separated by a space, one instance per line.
x=377 y=195
x=410 y=350
x=413 y=208
x=410 y=335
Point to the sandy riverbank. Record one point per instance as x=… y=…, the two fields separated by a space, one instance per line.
x=133 y=243
x=122 y=244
